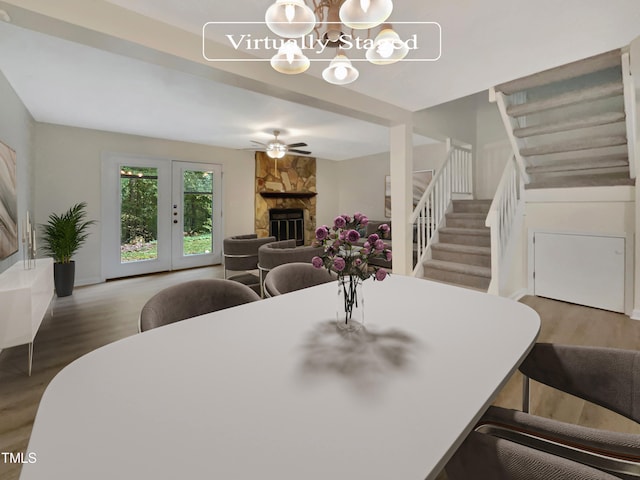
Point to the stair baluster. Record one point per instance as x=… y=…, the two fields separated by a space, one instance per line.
x=506 y=210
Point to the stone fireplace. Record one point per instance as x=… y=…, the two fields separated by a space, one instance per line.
x=289 y=184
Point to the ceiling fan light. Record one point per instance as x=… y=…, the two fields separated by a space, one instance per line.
x=387 y=48
x=365 y=14
x=340 y=71
x=290 y=18
x=276 y=150
x=290 y=59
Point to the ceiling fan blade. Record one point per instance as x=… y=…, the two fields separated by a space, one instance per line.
x=303 y=152
x=296 y=145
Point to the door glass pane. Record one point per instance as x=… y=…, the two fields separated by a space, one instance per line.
x=198 y=208
x=138 y=214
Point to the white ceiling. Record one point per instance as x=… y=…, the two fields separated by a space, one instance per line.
x=483 y=43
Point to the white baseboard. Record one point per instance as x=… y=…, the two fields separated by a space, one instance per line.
x=635 y=314
x=518 y=294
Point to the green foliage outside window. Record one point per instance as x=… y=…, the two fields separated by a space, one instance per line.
x=139 y=204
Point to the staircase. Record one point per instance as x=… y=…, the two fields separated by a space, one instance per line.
x=462 y=255
x=567 y=125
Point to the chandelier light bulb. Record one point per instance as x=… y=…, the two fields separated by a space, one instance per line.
x=290 y=59
x=290 y=52
x=387 y=48
x=340 y=71
x=290 y=18
x=290 y=12
x=365 y=14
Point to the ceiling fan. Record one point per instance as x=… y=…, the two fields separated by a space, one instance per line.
x=277 y=149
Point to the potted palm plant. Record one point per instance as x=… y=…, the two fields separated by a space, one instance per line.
x=63 y=235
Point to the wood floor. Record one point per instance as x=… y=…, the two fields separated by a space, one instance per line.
x=100 y=314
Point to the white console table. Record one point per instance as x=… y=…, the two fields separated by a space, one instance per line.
x=25 y=296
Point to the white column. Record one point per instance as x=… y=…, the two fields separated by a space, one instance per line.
x=401 y=168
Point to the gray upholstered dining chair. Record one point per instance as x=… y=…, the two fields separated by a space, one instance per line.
x=240 y=253
x=193 y=298
x=485 y=457
x=290 y=277
x=604 y=376
x=273 y=254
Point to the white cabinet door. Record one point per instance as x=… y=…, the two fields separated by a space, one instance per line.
x=583 y=269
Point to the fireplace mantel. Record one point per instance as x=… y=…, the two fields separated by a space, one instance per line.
x=288 y=194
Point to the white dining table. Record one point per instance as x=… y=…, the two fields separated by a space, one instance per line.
x=273 y=390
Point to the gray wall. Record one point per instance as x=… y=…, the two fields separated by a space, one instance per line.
x=17 y=131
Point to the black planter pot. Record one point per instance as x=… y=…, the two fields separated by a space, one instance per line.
x=64 y=275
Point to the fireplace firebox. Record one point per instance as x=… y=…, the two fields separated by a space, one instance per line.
x=287 y=224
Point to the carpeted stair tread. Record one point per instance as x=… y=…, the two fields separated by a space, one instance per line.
x=457 y=248
x=575 y=145
x=466 y=220
x=602 y=180
x=474 y=270
x=569 y=125
x=466 y=231
x=471 y=206
x=470 y=215
x=563 y=100
x=619 y=160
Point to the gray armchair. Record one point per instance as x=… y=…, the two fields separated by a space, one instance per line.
x=273 y=254
x=605 y=376
x=241 y=256
x=290 y=277
x=485 y=457
x=190 y=299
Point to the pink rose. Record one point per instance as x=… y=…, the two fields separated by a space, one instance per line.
x=339 y=264
x=317 y=262
x=353 y=235
x=321 y=233
x=381 y=274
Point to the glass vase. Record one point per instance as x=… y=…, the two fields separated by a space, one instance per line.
x=350 y=304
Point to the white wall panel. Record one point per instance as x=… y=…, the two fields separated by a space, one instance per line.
x=580 y=268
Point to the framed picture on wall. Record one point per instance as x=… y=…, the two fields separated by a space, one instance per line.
x=387 y=196
x=8 y=202
x=421 y=180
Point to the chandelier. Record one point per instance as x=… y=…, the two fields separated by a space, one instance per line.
x=328 y=22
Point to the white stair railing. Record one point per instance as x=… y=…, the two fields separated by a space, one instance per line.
x=455 y=176
x=505 y=211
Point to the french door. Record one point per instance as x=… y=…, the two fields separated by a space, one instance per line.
x=159 y=215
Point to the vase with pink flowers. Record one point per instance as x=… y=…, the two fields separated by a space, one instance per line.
x=347 y=253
